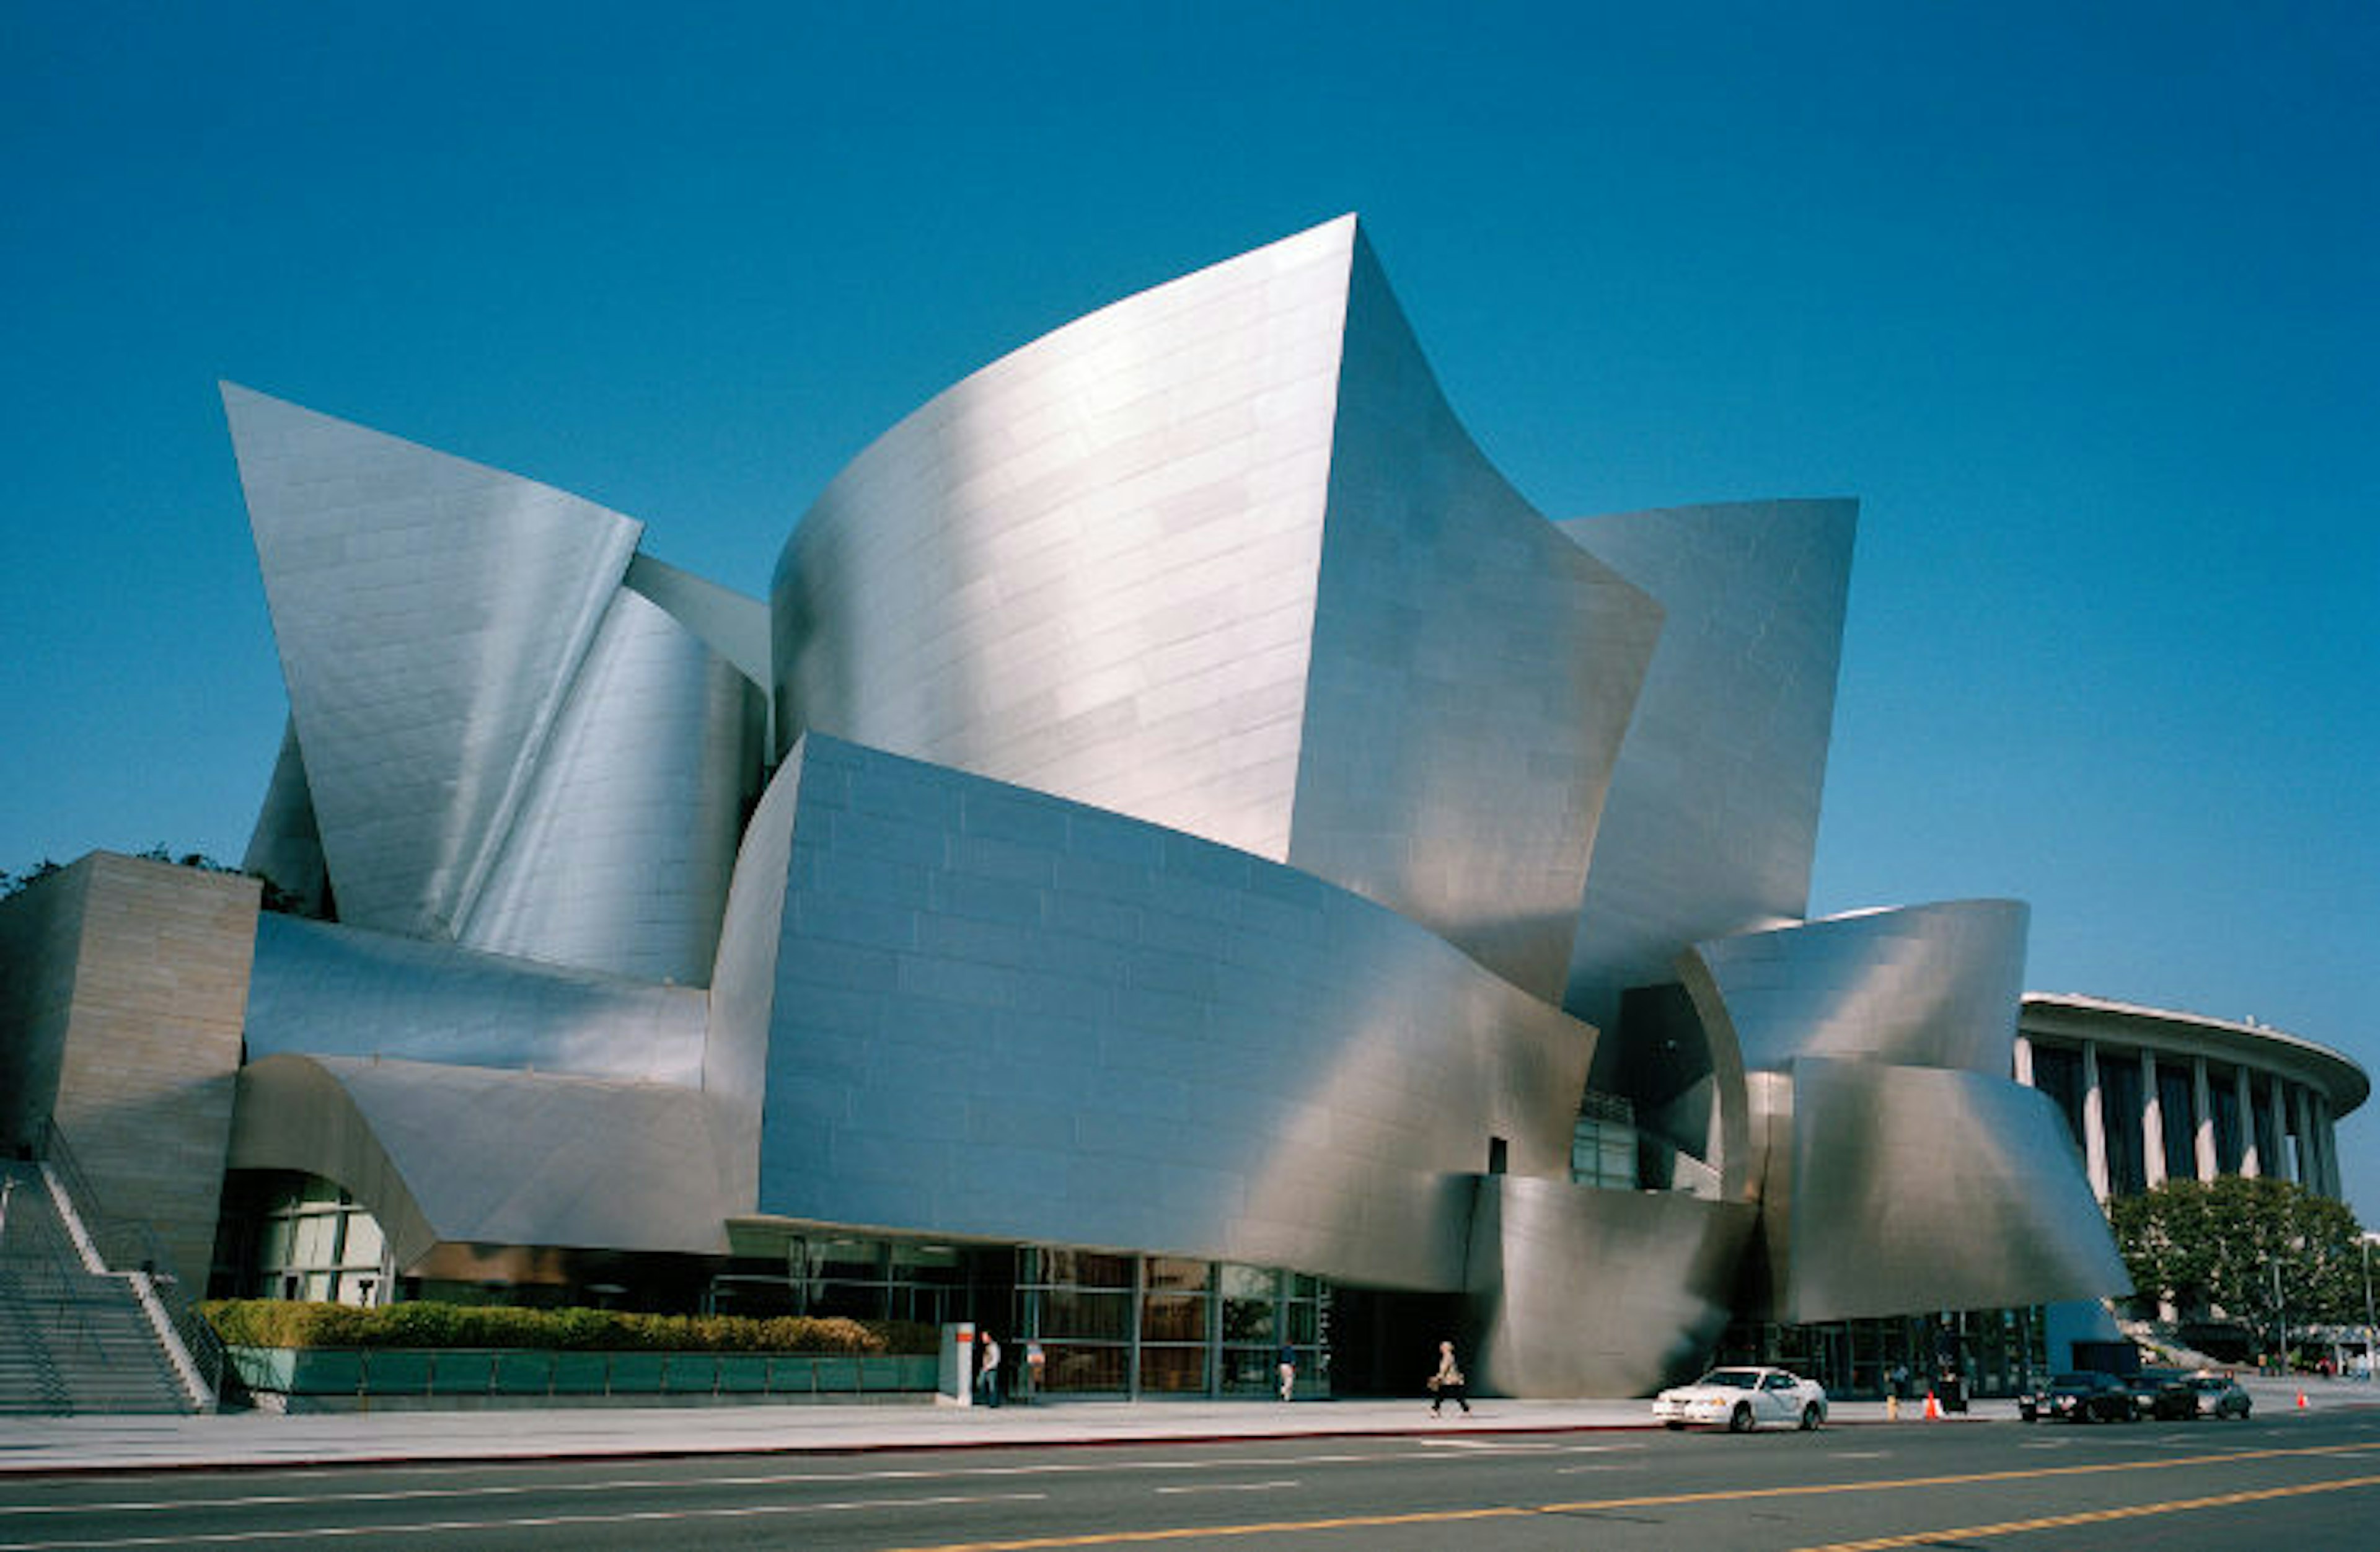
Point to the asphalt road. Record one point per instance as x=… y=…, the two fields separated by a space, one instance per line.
x=2309 y=1482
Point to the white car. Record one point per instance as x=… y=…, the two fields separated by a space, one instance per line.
x=1744 y=1400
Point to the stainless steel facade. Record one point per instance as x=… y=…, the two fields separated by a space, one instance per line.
x=1219 y=557
x=1713 y=814
x=1177 y=798
x=1007 y=1016
x=1897 y=1165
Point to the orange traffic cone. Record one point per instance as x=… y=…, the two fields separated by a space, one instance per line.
x=1933 y=1406
x=2301 y=1402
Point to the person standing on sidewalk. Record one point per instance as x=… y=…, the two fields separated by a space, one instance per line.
x=1447 y=1384
x=1287 y=1368
x=987 y=1375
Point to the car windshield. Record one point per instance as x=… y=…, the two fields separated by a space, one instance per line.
x=2075 y=1381
x=2208 y=1382
x=1732 y=1379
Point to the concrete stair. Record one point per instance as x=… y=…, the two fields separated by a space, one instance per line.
x=71 y=1339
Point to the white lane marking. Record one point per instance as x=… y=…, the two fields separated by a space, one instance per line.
x=1859 y=1454
x=1233 y=1487
x=527 y=1521
x=788 y=1479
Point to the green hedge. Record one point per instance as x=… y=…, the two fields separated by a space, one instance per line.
x=284 y=1323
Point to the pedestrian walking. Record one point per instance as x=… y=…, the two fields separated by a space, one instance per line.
x=1447 y=1384
x=1287 y=1368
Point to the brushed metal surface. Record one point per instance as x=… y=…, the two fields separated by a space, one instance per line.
x=1579 y=1291
x=996 y=1012
x=551 y=1162
x=331 y=990
x=619 y=854
x=286 y=845
x=1916 y=1188
x=429 y=613
x=1206 y=784
x=1928 y=986
x=1712 y=820
x=1219 y=557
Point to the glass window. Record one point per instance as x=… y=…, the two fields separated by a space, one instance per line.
x=1170 y=1274
x=1080 y=1368
x=1174 y=1318
x=317 y=1241
x=2057 y=1072
x=364 y=1244
x=1249 y=1282
x=1173 y=1370
x=1086 y=1269
x=2268 y=1141
x=2180 y=1120
x=2223 y=1090
x=1087 y=1312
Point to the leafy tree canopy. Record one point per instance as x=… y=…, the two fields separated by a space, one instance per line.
x=2217 y=1242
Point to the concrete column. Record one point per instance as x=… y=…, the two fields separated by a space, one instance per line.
x=2202 y=1099
x=2095 y=1123
x=2252 y=1163
x=2152 y=1122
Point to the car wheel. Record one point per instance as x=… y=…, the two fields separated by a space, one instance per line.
x=1811 y=1417
x=1739 y=1420
x=1674 y=1426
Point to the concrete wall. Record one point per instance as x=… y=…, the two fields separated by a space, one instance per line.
x=152 y=962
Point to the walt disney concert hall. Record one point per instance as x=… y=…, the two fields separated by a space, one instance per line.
x=1185 y=858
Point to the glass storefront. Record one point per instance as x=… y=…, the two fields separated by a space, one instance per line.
x=1989 y=1351
x=1111 y=1324
x=292 y=1236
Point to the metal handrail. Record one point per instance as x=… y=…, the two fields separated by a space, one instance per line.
x=131 y=1243
x=40 y=1260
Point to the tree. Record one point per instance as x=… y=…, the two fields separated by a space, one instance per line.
x=2216 y=1243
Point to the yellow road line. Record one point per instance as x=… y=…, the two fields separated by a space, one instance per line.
x=2092 y=1516
x=1588 y=1506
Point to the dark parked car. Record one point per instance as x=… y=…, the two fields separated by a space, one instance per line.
x=2083 y=1397
x=2164 y=1394
x=2220 y=1396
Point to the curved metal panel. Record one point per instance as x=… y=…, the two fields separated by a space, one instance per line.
x=1713 y=815
x=330 y=990
x=553 y=1162
x=1581 y=1291
x=1090 y=566
x=285 y=846
x=1928 y=985
x=429 y=613
x=619 y=855
x=1920 y=1188
x=997 y=1012
x=1472 y=677
x=1219 y=557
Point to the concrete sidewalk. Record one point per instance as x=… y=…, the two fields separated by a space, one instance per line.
x=265 y=1440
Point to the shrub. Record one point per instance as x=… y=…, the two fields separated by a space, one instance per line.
x=283 y=1323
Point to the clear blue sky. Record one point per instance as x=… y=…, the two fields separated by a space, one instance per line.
x=2078 y=299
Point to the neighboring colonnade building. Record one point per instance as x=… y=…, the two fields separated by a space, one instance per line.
x=1185 y=859
x=2153 y=1096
